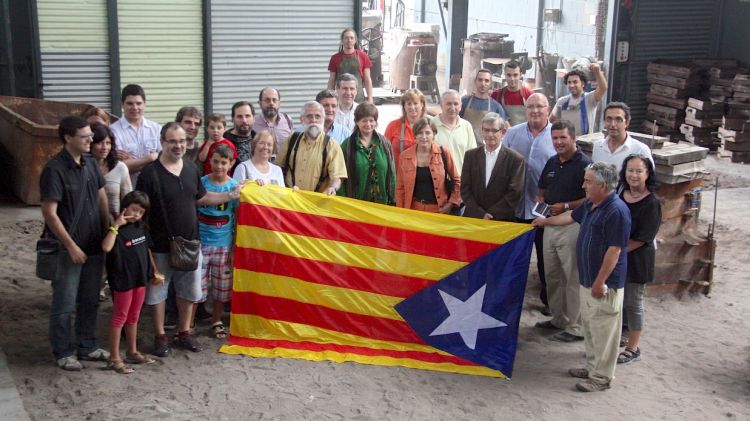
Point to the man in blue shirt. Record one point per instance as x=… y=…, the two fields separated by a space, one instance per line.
x=602 y=267
x=533 y=140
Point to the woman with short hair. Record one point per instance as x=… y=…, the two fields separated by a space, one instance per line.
x=369 y=160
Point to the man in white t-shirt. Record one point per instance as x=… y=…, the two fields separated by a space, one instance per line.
x=136 y=137
x=618 y=145
x=580 y=107
x=346 y=91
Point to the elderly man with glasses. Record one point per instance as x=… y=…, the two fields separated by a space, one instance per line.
x=492 y=176
x=533 y=140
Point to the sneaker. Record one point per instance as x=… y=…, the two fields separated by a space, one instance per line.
x=580 y=373
x=629 y=356
x=187 y=341
x=592 y=386
x=547 y=324
x=565 y=337
x=96 y=355
x=69 y=363
x=170 y=321
x=161 y=346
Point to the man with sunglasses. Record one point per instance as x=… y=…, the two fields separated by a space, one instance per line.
x=618 y=144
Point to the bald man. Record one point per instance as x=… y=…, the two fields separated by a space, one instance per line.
x=533 y=140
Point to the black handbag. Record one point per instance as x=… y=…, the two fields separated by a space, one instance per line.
x=183 y=254
x=48 y=249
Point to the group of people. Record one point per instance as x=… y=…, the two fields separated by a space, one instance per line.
x=490 y=155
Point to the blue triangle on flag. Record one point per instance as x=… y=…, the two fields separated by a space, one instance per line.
x=504 y=271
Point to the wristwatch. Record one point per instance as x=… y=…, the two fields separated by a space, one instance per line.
x=567 y=206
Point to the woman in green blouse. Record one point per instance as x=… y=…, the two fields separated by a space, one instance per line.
x=369 y=160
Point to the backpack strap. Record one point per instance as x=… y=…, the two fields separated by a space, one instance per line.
x=323 y=172
x=289 y=165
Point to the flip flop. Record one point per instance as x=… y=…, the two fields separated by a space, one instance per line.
x=218 y=330
x=138 y=358
x=119 y=367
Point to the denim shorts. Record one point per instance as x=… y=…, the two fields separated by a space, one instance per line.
x=187 y=285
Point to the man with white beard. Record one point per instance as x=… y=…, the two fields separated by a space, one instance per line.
x=312 y=160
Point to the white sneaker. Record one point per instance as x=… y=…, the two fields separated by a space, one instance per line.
x=69 y=363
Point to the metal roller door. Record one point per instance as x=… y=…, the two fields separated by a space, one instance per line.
x=75 y=51
x=161 y=49
x=668 y=29
x=262 y=43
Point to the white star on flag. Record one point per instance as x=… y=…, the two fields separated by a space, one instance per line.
x=466 y=317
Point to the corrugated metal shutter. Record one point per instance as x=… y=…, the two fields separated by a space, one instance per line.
x=75 y=51
x=262 y=43
x=669 y=29
x=161 y=49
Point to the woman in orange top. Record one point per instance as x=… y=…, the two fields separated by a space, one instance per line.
x=399 y=130
x=421 y=175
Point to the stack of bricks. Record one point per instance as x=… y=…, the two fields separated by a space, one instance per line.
x=735 y=130
x=704 y=112
x=672 y=83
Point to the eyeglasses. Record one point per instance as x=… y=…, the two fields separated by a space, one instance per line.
x=493 y=131
x=89 y=136
x=536 y=107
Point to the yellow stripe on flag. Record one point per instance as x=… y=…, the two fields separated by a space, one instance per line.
x=346 y=254
x=252 y=326
x=362 y=359
x=342 y=299
x=373 y=213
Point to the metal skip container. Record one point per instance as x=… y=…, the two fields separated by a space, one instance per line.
x=28 y=135
x=478 y=47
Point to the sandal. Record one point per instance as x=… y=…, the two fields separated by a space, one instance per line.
x=138 y=358
x=218 y=330
x=629 y=355
x=119 y=367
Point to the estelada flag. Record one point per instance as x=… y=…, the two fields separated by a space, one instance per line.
x=331 y=278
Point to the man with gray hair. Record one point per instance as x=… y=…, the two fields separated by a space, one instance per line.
x=453 y=132
x=311 y=160
x=346 y=91
x=602 y=268
x=492 y=176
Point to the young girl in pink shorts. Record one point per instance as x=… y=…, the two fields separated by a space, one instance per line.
x=129 y=267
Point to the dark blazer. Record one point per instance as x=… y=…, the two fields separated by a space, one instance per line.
x=500 y=197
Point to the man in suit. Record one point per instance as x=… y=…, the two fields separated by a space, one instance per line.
x=492 y=178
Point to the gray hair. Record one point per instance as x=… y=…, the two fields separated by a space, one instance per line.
x=345 y=77
x=312 y=104
x=450 y=92
x=604 y=174
x=493 y=118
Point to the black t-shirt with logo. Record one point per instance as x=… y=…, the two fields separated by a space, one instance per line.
x=128 y=265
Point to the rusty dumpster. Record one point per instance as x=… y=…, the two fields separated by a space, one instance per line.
x=28 y=137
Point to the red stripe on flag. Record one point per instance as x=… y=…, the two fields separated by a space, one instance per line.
x=325 y=273
x=361 y=233
x=282 y=309
x=428 y=357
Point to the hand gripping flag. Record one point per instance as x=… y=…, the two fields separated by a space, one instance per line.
x=330 y=278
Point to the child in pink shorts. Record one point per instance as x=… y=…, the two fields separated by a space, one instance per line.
x=129 y=267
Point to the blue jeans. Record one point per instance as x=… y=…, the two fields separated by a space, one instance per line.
x=75 y=288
